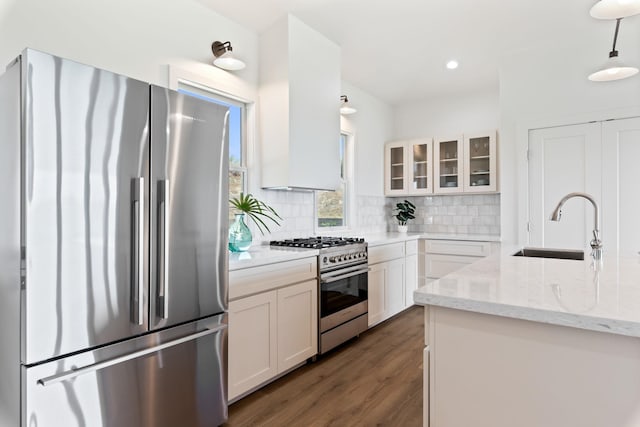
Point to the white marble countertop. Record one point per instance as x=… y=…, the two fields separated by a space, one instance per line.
x=580 y=294
x=469 y=237
x=375 y=239
x=264 y=254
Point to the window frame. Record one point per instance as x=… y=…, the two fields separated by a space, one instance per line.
x=349 y=189
x=209 y=92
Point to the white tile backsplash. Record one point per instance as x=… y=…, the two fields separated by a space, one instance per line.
x=453 y=214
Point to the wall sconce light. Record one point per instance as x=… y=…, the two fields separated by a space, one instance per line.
x=614 y=9
x=613 y=69
x=345 y=108
x=225 y=58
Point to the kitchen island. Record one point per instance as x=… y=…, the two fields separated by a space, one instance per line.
x=518 y=341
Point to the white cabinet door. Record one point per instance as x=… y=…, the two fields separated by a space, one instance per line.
x=297 y=324
x=563 y=160
x=252 y=342
x=448 y=165
x=420 y=168
x=377 y=294
x=394 y=287
x=396 y=168
x=620 y=179
x=411 y=278
x=480 y=166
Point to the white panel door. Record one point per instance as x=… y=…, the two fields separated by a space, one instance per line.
x=621 y=180
x=562 y=160
x=252 y=342
x=377 y=281
x=395 y=287
x=411 y=278
x=297 y=324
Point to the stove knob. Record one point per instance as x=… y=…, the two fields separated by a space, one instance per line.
x=332 y=259
x=324 y=260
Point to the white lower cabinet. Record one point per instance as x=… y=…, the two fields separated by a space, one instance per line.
x=377 y=301
x=441 y=257
x=411 y=278
x=273 y=322
x=297 y=335
x=386 y=290
x=410 y=271
x=252 y=342
x=392 y=279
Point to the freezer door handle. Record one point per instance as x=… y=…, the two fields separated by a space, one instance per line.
x=163 y=249
x=137 y=263
x=72 y=373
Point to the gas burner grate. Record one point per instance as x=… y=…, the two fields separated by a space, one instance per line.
x=319 y=242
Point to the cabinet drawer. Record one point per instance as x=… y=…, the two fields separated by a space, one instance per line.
x=386 y=252
x=458 y=247
x=253 y=280
x=437 y=265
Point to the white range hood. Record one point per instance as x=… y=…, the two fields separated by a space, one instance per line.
x=299 y=114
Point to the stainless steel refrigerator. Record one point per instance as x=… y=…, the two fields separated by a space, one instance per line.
x=113 y=251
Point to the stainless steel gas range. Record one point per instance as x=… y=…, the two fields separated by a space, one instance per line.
x=342 y=287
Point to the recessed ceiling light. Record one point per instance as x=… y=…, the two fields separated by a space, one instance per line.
x=452 y=65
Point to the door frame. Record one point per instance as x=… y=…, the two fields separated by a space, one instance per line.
x=523 y=127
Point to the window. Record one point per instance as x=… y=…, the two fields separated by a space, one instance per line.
x=237 y=145
x=333 y=207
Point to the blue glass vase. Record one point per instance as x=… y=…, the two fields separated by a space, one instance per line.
x=239 y=235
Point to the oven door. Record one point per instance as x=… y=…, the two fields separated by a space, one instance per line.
x=343 y=295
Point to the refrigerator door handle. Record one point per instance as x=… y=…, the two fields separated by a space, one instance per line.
x=137 y=264
x=72 y=373
x=163 y=249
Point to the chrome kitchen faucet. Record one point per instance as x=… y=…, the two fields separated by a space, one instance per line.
x=595 y=243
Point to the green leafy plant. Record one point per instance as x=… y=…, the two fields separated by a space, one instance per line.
x=405 y=210
x=257 y=210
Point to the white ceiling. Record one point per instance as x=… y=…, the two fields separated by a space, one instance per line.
x=397 y=50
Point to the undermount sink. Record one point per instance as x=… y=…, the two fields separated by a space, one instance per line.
x=551 y=253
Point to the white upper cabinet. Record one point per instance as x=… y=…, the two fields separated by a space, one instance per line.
x=299 y=107
x=466 y=163
x=408 y=167
x=420 y=166
x=448 y=165
x=395 y=169
x=480 y=172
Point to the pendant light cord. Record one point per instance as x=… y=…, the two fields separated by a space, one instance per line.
x=614 y=52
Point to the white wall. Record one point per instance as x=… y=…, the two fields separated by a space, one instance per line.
x=372 y=126
x=136 y=38
x=447 y=115
x=161 y=41
x=540 y=88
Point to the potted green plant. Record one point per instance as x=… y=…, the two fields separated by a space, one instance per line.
x=246 y=204
x=405 y=211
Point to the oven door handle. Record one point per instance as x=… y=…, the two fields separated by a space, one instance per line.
x=344 y=276
x=344 y=270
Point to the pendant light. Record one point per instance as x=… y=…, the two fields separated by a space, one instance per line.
x=614 y=69
x=345 y=108
x=614 y=9
x=225 y=58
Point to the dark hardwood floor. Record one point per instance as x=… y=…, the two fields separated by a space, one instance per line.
x=374 y=380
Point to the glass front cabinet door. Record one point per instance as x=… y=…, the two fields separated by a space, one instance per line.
x=409 y=167
x=395 y=168
x=420 y=166
x=480 y=174
x=448 y=165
